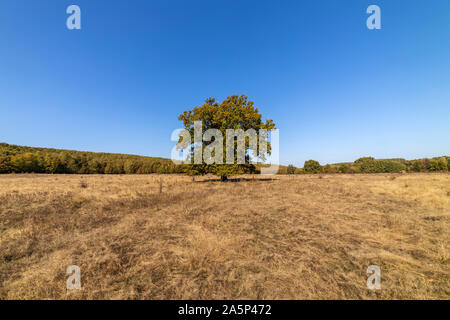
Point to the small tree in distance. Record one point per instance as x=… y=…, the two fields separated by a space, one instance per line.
x=312 y=166
x=291 y=169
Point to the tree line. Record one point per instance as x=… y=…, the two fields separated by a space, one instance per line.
x=372 y=165
x=20 y=159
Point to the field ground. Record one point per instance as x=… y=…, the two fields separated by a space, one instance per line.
x=168 y=237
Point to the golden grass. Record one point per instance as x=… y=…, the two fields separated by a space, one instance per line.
x=293 y=237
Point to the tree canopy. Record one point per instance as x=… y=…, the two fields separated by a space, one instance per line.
x=235 y=112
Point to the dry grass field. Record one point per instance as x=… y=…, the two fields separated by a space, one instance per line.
x=168 y=237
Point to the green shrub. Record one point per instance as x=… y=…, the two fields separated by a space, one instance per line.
x=328 y=168
x=438 y=164
x=312 y=166
x=291 y=169
x=344 y=168
x=5 y=166
x=371 y=165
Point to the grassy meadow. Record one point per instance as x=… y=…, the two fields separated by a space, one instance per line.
x=254 y=237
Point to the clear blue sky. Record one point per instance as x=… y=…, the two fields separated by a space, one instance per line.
x=335 y=89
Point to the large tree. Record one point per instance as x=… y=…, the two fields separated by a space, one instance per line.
x=235 y=112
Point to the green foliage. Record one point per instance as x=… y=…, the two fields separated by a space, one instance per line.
x=391 y=166
x=421 y=165
x=438 y=164
x=235 y=112
x=5 y=165
x=344 y=168
x=428 y=165
x=291 y=169
x=328 y=168
x=371 y=165
x=130 y=166
x=312 y=166
x=20 y=159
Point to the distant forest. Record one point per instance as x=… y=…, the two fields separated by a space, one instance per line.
x=19 y=159
x=371 y=165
